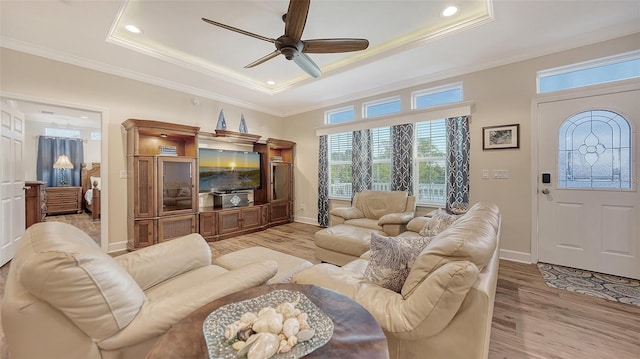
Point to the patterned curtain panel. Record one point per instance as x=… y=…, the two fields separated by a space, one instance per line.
x=361 y=161
x=458 y=142
x=49 y=148
x=323 y=181
x=402 y=158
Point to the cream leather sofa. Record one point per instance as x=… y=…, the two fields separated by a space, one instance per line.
x=445 y=307
x=382 y=212
x=65 y=298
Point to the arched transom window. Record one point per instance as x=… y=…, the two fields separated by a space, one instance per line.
x=594 y=151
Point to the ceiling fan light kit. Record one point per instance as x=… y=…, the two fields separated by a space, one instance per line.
x=292 y=46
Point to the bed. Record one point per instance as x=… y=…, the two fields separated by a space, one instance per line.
x=91 y=184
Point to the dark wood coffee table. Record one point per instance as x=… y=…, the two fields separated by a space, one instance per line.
x=356 y=333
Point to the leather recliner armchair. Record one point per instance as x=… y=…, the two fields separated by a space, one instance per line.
x=381 y=212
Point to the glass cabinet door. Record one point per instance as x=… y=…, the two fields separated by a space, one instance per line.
x=281 y=178
x=176 y=185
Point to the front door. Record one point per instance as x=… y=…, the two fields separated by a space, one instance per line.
x=588 y=199
x=12 y=196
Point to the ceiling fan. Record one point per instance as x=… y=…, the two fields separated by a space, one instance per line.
x=290 y=44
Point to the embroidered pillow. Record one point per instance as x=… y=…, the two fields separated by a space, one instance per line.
x=440 y=220
x=391 y=259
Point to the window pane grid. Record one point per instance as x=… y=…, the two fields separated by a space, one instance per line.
x=340 y=150
x=430 y=160
x=381 y=155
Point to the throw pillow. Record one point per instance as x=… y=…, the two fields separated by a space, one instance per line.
x=440 y=220
x=391 y=259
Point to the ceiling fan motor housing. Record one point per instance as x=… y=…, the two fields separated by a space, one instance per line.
x=288 y=47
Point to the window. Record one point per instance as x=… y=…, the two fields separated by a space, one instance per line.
x=430 y=162
x=340 y=150
x=616 y=68
x=339 y=115
x=437 y=96
x=61 y=132
x=381 y=107
x=429 y=145
x=594 y=151
x=381 y=158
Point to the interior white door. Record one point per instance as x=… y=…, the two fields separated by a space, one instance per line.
x=12 y=196
x=589 y=211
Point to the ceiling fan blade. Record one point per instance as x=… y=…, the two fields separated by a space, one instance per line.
x=326 y=46
x=260 y=37
x=307 y=65
x=296 y=18
x=263 y=59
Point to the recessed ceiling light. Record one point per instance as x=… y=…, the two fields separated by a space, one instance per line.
x=134 y=29
x=271 y=82
x=449 y=11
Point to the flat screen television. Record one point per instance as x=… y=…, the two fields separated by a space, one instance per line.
x=226 y=171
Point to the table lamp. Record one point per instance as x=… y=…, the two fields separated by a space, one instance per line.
x=63 y=163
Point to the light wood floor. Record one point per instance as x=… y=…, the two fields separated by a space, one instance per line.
x=530 y=319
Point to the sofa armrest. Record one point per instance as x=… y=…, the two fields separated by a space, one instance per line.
x=396 y=218
x=347 y=212
x=155 y=264
x=428 y=310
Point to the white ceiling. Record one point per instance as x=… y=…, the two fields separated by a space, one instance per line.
x=410 y=42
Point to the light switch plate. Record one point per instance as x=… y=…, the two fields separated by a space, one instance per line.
x=500 y=174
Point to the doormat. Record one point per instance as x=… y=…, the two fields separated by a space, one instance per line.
x=617 y=289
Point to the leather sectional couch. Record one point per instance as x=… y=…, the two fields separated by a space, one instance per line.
x=65 y=298
x=445 y=306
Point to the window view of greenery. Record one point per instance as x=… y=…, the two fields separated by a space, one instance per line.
x=430 y=158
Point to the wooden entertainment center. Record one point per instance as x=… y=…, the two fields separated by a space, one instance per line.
x=162 y=184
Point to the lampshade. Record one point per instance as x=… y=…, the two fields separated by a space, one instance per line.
x=63 y=162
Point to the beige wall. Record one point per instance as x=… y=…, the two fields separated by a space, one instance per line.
x=39 y=78
x=501 y=95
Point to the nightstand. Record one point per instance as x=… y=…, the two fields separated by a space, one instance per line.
x=64 y=200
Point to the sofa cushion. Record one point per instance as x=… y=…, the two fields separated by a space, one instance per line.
x=375 y=204
x=364 y=223
x=439 y=221
x=347 y=212
x=391 y=259
x=180 y=255
x=63 y=266
x=417 y=223
x=472 y=237
x=344 y=238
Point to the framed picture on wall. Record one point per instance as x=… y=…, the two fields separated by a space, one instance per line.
x=501 y=137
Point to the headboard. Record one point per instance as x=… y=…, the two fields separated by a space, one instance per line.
x=87 y=173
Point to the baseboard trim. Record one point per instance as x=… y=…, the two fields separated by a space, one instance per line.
x=306 y=220
x=117 y=247
x=515 y=256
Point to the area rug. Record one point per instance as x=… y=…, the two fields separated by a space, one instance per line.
x=618 y=289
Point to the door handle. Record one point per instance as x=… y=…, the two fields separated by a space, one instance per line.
x=546 y=191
